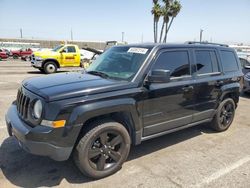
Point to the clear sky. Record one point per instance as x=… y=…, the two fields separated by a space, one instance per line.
x=226 y=21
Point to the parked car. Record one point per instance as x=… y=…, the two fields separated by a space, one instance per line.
x=3 y=55
x=6 y=51
x=130 y=94
x=245 y=63
x=22 y=52
x=49 y=61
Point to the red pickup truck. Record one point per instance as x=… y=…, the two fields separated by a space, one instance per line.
x=20 y=53
x=3 y=55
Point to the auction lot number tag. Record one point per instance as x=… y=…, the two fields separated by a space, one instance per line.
x=138 y=50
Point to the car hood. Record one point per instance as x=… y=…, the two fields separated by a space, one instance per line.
x=72 y=84
x=45 y=53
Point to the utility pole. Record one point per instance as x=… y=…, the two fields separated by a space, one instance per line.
x=21 y=33
x=142 y=38
x=71 y=32
x=201 y=31
x=123 y=36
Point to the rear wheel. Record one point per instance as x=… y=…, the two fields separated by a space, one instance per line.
x=50 y=67
x=224 y=115
x=102 y=150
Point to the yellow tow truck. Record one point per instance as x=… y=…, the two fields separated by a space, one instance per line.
x=48 y=61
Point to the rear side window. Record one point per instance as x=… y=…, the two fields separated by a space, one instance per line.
x=175 y=61
x=229 y=61
x=206 y=61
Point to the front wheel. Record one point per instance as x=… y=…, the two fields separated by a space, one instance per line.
x=50 y=67
x=224 y=115
x=102 y=150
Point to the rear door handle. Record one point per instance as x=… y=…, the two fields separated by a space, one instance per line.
x=187 y=88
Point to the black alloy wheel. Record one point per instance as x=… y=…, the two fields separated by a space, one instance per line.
x=224 y=115
x=106 y=150
x=102 y=149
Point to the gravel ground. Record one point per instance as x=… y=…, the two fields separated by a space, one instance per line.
x=195 y=157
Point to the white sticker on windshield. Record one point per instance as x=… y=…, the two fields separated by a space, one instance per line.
x=138 y=50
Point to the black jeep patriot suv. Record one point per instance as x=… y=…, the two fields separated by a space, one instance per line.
x=129 y=94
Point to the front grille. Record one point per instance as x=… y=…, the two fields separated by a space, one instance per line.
x=22 y=104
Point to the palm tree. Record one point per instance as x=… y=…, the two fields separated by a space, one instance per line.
x=173 y=11
x=156 y=11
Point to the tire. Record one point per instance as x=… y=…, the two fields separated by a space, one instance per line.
x=15 y=56
x=103 y=149
x=224 y=115
x=50 y=67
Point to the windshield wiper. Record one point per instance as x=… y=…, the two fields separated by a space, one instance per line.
x=98 y=73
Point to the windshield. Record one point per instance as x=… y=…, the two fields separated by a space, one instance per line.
x=121 y=63
x=57 y=48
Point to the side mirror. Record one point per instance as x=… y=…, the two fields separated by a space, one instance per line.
x=63 y=51
x=159 y=76
x=247 y=66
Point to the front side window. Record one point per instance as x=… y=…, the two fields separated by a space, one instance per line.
x=177 y=62
x=229 y=61
x=206 y=61
x=120 y=62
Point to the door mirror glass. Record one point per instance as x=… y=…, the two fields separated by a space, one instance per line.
x=159 y=76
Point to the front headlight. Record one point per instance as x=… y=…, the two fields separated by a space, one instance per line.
x=37 y=110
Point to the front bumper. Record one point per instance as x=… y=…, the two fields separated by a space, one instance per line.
x=36 y=63
x=29 y=138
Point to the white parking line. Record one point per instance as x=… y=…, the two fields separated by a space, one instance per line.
x=223 y=171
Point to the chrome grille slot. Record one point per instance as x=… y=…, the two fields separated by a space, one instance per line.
x=22 y=104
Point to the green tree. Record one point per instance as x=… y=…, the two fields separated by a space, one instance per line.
x=156 y=11
x=168 y=11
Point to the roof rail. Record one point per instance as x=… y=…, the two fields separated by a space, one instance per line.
x=209 y=43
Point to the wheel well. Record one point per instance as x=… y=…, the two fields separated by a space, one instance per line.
x=233 y=96
x=53 y=60
x=123 y=118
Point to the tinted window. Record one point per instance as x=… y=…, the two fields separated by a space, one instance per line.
x=71 y=49
x=229 y=62
x=206 y=61
x=177 y=62
x=121 y=62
